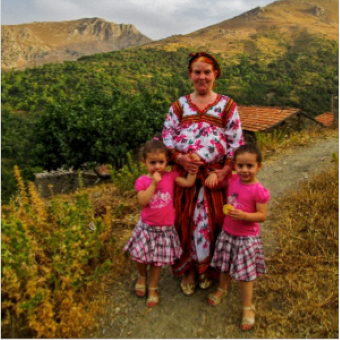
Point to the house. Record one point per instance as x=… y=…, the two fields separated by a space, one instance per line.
x=268 y=118
x=326 y=119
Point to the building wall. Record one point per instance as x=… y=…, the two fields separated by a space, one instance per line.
x=62 y=182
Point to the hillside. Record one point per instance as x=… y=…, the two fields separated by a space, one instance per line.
x=39 y=43
x=263 y=29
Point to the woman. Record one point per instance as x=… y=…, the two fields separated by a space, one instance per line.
x=202 y=130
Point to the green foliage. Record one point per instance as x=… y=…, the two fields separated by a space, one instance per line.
x=104 y=105
x=102 y=129
x=125 y=178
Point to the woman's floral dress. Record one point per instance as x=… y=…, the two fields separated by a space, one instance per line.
x=212 y=143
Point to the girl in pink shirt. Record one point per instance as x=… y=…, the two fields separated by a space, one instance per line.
x=238 y=251
x=154 y=241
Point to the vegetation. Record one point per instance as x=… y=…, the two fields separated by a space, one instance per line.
x=102 y=106
x=57 y=254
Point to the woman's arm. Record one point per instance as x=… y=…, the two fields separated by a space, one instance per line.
x=258 y=216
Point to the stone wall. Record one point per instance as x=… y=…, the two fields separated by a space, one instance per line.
x=63 y=182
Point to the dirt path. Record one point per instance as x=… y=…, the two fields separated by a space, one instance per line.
x=178 y=316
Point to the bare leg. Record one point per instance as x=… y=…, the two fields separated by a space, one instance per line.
x=142 y=272
x=189 y=276
x=224 y=281
x=246 y=288
x=155 y=273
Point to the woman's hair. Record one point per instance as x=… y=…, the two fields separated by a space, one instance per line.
x=250 y=148
x=154 y=145
x=206 y=58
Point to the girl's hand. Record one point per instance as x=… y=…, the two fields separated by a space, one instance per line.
x=188 y=164
x=211 y=180
x=194 y=157
x=156 y=178
x=237 y=215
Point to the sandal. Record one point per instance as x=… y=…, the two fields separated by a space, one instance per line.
x=248 y=323
x=152 y=301
x=204 y=282
x=188 y=289
x=214 y=300
x=140 y=289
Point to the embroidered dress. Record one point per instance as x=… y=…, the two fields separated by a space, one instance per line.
x=213 y=135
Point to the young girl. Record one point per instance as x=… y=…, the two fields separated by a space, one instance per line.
x=238 y=252
x=154 y=241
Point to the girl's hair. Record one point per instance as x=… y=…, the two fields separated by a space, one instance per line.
x=206 y=58
x=154 y=145
x=250 y=148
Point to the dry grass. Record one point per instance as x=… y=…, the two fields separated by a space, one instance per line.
x=299 y=296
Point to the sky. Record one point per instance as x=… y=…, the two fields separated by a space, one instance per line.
x=157 y=19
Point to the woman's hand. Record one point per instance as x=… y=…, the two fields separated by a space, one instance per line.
x=188 y=164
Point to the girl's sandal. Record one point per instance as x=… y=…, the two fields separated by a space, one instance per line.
x=248 y=323
x=214 y=300
x=152 y=301
x=140 y=289
x=188 y=289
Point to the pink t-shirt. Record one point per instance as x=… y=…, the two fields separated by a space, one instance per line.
x=244 y=197
x=160 y=210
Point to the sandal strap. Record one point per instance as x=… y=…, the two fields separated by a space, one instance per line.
x=221 y=290
x=139 y=286
x=252 y=307
x=152 y=288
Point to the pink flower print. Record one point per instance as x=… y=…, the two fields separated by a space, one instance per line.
x=205 y=232
x=236 y=124
x=179 y=138
x=205 y=245
x=199 y=218
x=219 y=147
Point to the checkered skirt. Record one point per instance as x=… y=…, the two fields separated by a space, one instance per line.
x=240 y=256
x=157 y=245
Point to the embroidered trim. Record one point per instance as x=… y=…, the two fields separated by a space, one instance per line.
x=216 y=121
x=178 y=110
x=194 y=106
x=227 y=111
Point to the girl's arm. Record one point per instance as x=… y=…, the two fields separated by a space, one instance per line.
x=144 y=196
x=187 y=182
x=258 y=216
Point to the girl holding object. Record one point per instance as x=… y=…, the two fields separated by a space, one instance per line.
x=238 y=251
x=154 y=241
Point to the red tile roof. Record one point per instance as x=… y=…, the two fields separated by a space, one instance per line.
x=326 y=118
x=260 y=118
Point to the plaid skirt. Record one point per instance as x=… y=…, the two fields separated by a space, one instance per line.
x=157 y=245
x=240 y=256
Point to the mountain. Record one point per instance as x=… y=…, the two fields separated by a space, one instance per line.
x=39 y=43
x=263 y=29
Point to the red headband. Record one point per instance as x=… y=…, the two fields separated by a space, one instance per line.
x=194 y=56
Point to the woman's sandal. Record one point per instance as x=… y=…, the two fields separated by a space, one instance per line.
x=204 y=282
x=152 y=301
x=140 y=289
x=248 y=323
x=214 y=300
x=188 y=289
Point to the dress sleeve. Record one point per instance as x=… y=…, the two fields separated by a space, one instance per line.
x=262 y=195
x=140 y=184
x=233 y=133
x=170 y=125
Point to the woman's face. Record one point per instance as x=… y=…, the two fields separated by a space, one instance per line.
x=202 y=76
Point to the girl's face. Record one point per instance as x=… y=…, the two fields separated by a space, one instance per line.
x=202 y=76
x=155 y=162
x=247 y=167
